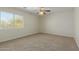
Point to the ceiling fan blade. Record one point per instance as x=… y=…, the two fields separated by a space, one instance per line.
x=47 y=10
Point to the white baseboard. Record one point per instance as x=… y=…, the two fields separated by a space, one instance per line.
x=77 y=41
x=12 y=38
x=59 y=35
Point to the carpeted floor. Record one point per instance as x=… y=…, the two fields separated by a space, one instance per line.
x=40 y=42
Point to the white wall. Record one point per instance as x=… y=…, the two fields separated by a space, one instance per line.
x=59 y=23
x=30 y=26
x=76 y=23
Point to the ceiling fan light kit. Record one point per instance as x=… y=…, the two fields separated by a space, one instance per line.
x=41 y=13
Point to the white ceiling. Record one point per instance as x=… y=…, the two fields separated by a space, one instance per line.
x=35 y=10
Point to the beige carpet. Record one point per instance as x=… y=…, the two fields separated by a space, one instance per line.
x=40 y=42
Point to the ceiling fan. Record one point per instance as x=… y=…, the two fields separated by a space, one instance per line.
x=43 y=11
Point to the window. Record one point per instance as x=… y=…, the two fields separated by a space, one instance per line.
x=10 y=20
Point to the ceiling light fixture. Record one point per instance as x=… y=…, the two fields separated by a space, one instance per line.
x=42 y=11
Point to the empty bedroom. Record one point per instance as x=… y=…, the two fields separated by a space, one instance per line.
x=39 y=29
